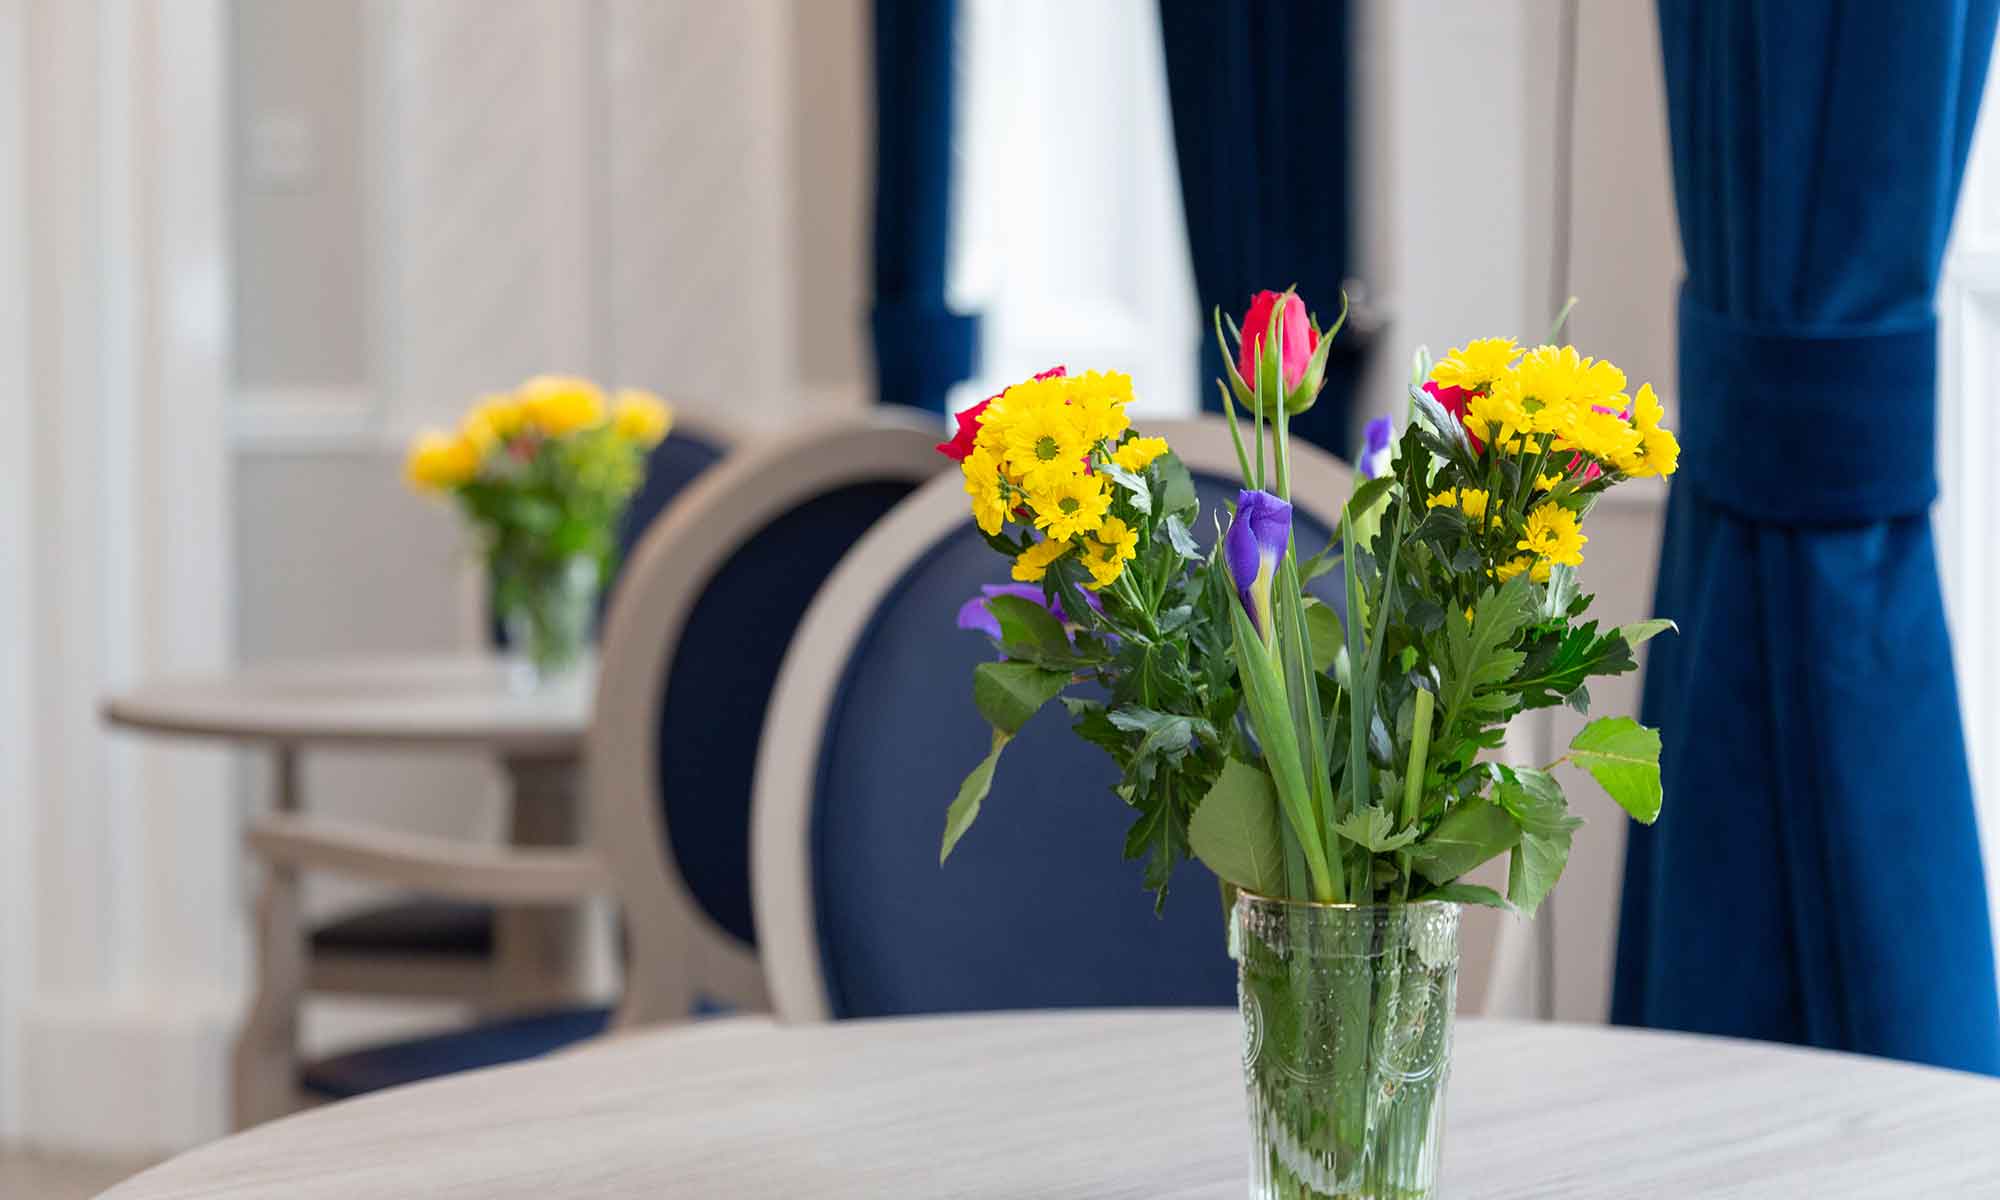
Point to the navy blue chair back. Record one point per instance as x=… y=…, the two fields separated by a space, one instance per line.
x=1035 y=909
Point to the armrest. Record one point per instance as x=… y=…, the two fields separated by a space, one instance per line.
x=439 y=866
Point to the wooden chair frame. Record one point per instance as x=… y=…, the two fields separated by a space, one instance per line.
x=794 y=730
x=674 y=948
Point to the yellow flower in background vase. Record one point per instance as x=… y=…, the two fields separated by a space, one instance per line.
x=640 y=416
x=439 y=461
x=495 y=418
x=561 y=404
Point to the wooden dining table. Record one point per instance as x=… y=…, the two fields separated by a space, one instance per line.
x=1138 y=1104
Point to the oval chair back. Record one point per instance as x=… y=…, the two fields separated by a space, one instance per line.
x=692 y=643
x=871 y=731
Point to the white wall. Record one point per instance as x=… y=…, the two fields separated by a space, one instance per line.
x=1456 y=111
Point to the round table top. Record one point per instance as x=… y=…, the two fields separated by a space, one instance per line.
x=462 y=701
x=1102 y=1104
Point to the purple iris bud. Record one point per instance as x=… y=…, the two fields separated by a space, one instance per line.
x=1375 y=448
x=974 y=614
x=1253 y=547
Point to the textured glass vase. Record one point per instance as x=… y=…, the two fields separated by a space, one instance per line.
x=1347 y=1024
x=546 y=609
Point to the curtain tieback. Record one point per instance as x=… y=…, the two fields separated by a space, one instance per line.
x=1808 y=426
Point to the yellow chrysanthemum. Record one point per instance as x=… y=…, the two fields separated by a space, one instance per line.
x=1647 y=411
x=1470 y=501
x=1538 y=568
x=641 y=417
x=1497 y=416
x=1658 y=454
x=1045 y=444
x=494 y=419
x=1554 y=533
x=1476 y=365
x=1547 y=483
x=1075 y=504
x=1099 y=399
x=1108 y=550
x=1558 y=374
x=983 y=484
x=1138 y=452
x=439 y=461
x=560 y=404
x=1605 y=436
x=1033 y=563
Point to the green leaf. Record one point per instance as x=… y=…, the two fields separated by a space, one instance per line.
x=1535 y=800
x=1235 y=830
x=1479 y=659
x=1537 y=862
x=1323 y=631
x=1556 y=665
x=1165 y=733
x=1009 y=693
x=1180 y=539
x=1029 y=631
x=1140 y=492
x=1177 y=495
x=1638 y=633
x=1465 y=893
x=965 y=809
x=1474 y=831
x=1624 y=757
x=1560 y=592
x=1373 y=829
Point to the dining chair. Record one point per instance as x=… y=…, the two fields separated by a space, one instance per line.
x=435 y=947
x=693 y=637
x=871 y=729
x=693 y=645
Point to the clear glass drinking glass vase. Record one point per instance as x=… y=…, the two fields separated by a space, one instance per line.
x=546 y=608
x=1347 y=1025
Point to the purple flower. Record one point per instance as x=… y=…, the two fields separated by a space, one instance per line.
x=1375 y=448
x=974 y=614
x=1253 y=546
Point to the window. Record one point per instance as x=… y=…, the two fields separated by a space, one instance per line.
x=1067 y=232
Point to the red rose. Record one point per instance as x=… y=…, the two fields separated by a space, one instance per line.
x=961 y=442
x=1300 y=338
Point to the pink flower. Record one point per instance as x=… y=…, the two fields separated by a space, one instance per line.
x=1299 y=341
x=1453 y=399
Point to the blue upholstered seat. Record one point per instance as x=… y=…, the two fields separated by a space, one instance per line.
x=414 y=1059
x=1035 y=908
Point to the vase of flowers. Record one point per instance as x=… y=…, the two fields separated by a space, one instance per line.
x=543 y=475
x=1331 y=762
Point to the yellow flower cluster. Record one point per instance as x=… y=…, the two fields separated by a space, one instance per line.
x=1470 y=501
x=1036 y=460
x=546 y=406
x=1552 y=400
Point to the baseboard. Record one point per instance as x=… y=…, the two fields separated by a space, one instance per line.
x=125 y=1074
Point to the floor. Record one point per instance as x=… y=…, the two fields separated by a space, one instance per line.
x=29 y=1176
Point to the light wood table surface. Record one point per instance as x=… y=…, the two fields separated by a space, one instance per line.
x=1104 y=1104
x=474 y=703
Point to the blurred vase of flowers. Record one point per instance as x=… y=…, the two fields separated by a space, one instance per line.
x=543 y=474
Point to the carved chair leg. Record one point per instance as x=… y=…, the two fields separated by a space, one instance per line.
x=265 y=1060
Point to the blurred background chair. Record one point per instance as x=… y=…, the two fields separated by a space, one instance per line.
x=691 y=653
x=447 y=939
x=427 y=945
x=870 y=732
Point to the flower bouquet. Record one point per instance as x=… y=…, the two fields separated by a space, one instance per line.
x=1330 y=762
x=543 y=474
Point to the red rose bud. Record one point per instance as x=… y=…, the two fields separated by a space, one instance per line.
x=1280 y=352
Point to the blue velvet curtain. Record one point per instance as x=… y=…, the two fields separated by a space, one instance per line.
x=1259 y=90
x=921 y=346
x=1816 y=877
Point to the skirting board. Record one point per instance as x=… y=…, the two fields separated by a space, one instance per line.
x=125 y=1074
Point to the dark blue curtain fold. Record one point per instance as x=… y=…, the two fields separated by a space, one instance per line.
x=1259 y=91
x=921 y=346
x=1816 y=877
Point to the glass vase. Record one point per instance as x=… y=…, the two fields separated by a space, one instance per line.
x=546 y=609
x=1347 y=1024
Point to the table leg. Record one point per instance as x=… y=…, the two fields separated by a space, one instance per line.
x=264 y=1062
x=546 y=953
